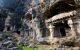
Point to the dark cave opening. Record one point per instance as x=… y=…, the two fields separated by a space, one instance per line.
x=8 y=28
x=62 y=27
x=62 y=31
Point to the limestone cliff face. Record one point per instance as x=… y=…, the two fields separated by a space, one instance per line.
x=30 y=16
x=38 y=9
x=41 y=10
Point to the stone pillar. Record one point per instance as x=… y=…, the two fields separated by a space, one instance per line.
x=78 y=27
x=51 y=28
x=70 y=23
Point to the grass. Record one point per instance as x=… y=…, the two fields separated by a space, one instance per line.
x=27 y=48
x=24 y=47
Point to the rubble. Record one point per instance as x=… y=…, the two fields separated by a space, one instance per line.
x=6 y=41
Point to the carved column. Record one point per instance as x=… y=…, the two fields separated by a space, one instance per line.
x=78 y=27
x=70 y=23
x=51 y=28
x=78 y=22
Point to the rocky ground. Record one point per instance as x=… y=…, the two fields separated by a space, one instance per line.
x=7 y=41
